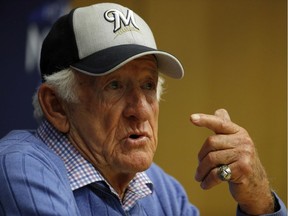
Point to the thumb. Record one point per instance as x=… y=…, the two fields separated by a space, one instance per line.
x=223 y=114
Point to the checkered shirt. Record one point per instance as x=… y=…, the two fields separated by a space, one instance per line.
x=82 y=173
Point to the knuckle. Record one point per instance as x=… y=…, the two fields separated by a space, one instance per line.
x=220 y=111
x=223 y=124
x=247 y=140
x=245 y=167
x=211 y=180
x=211 y=157
x=244 y=140
x=210 y=140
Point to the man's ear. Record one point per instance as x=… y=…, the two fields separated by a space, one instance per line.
x=52 y=108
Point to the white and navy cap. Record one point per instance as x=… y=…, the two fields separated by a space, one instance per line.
x=98 y=39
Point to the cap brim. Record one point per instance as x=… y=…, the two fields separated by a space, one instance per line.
x=108 y=60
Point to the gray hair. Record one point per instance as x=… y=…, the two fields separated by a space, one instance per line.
x=64 y=83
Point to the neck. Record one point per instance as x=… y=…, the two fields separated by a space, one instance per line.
x=119 y=182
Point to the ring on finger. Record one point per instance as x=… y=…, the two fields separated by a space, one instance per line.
x=224 y=172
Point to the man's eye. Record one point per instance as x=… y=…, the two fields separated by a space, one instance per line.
x=149 y=86
x=114 y=85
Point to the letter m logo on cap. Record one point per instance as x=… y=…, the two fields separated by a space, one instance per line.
x=119 y=18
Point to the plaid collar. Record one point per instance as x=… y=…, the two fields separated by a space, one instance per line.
x=82 y=173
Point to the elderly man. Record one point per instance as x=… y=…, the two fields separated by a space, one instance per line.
x=98 y=107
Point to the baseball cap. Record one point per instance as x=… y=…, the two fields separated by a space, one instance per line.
x=98 y=39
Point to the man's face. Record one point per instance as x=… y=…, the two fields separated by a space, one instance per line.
x=115 y=124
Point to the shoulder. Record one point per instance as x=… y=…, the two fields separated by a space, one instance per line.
x=28 y=168
x=19 y=140
x=22 y=147
x=24 y=142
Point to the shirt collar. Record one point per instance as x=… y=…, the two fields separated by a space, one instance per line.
x=80 y=171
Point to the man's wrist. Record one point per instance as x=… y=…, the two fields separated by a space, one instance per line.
x=268 y=205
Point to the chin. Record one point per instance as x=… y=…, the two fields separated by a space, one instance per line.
x=139 y=164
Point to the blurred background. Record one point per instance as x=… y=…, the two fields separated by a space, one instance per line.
x=234 y=53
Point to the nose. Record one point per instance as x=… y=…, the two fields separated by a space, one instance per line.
x=137 y=106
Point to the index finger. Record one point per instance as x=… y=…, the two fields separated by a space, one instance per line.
x=215 y=123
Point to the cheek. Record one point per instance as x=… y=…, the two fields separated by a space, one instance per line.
x=103 y=127
x=155 y=111
x=154 y=122
x=90 y=121
x=95 y=135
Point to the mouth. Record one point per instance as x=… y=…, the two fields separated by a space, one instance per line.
x=137 y=137
x=134 y=136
